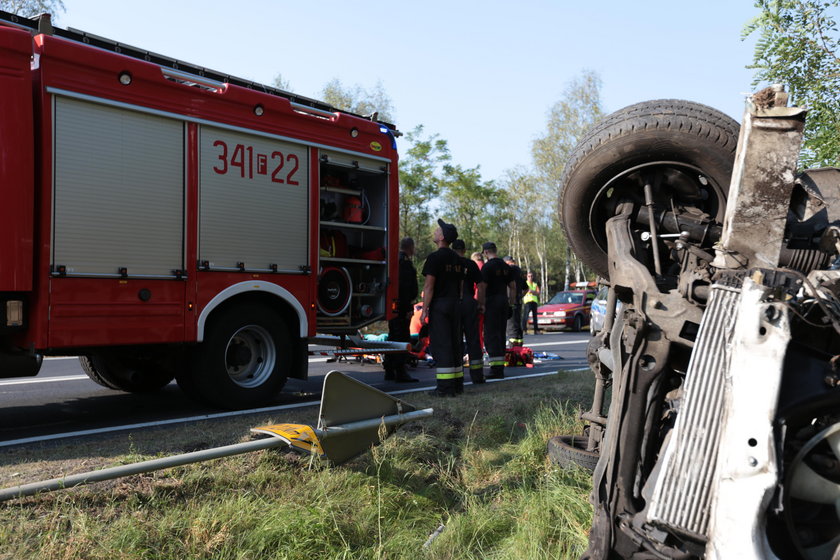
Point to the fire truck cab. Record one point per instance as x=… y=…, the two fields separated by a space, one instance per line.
x=163 y=221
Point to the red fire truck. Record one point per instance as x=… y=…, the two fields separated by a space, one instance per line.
x=163 y=221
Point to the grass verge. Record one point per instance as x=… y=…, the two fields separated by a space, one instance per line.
x=477 y=469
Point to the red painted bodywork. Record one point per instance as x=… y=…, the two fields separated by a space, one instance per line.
x=75 y=313
x=17 y=163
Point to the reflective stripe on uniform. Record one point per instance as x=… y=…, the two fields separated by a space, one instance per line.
x=496 y=361
x=476 y=364
x=449 y=373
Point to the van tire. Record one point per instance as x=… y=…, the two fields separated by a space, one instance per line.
x=654 y=137
x=570 y=451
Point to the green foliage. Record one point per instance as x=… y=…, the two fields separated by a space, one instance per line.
x=31 y=8
x=359 y=100
x=797 y=46
x=421 y=184
x=568 y=120
x=473 y=204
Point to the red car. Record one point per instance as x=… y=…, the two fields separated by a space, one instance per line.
x=569 y=309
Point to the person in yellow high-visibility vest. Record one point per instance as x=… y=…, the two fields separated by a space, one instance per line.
x=531 y=301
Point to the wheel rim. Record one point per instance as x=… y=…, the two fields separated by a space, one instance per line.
x=250 y=356
x=812 y=504
x=675 y=184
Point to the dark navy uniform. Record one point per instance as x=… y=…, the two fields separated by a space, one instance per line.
x=514 y=324
x=497 y=275
x=398 y=326
x=445 y=319
x=469 y=320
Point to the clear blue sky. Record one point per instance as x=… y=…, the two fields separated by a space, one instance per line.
x=482 y=75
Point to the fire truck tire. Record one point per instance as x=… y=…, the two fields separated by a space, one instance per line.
x=122 y=373
x=570 y=451
x=684 y=148
x=242 y=362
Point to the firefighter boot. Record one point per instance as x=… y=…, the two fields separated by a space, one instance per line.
x=459 y=384
x=496 y=372
x=445 y=388
x=401 y=376
x=477 y=375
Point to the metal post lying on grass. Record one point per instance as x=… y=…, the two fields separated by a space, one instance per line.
x=137 y=468
x=336 y=442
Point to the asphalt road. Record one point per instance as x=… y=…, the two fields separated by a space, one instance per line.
x=61 y=399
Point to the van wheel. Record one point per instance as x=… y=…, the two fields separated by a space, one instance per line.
x=243 y=361
x=570 y=451
x=126 y=372
x=685 y=150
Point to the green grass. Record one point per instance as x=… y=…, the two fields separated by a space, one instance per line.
x=478 y=467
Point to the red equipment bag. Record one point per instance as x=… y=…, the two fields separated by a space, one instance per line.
x=519 y=356
x=353 y=210
x=333 y=244
x=377 y=254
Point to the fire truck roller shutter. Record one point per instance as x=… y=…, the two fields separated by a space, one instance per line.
x=254 y=201
x=119 y=191
x=243 y=360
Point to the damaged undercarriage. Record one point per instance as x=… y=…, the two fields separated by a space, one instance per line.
x=721 y=345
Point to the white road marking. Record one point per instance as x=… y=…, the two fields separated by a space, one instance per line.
x=557 y=343
x=45 y=380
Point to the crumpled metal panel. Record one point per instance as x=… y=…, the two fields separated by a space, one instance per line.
x=762 y=181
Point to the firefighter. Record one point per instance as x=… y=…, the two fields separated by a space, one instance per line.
x=514 y=323
x=499 y=297
x=398 y=326
x=441 y=304
x=471 y=306
x=530 y=302
x=479 y=262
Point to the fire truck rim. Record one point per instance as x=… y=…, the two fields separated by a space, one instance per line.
x=250 y=356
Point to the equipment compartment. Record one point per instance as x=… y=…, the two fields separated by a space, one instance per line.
x=353 y=234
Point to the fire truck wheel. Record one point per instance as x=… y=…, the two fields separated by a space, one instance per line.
x=684 y=150
x=242 y=361
x=126 y=373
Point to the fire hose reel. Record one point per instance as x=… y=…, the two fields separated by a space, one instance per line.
x=335 y=290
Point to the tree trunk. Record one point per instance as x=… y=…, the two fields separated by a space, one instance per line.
x=568 y=274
